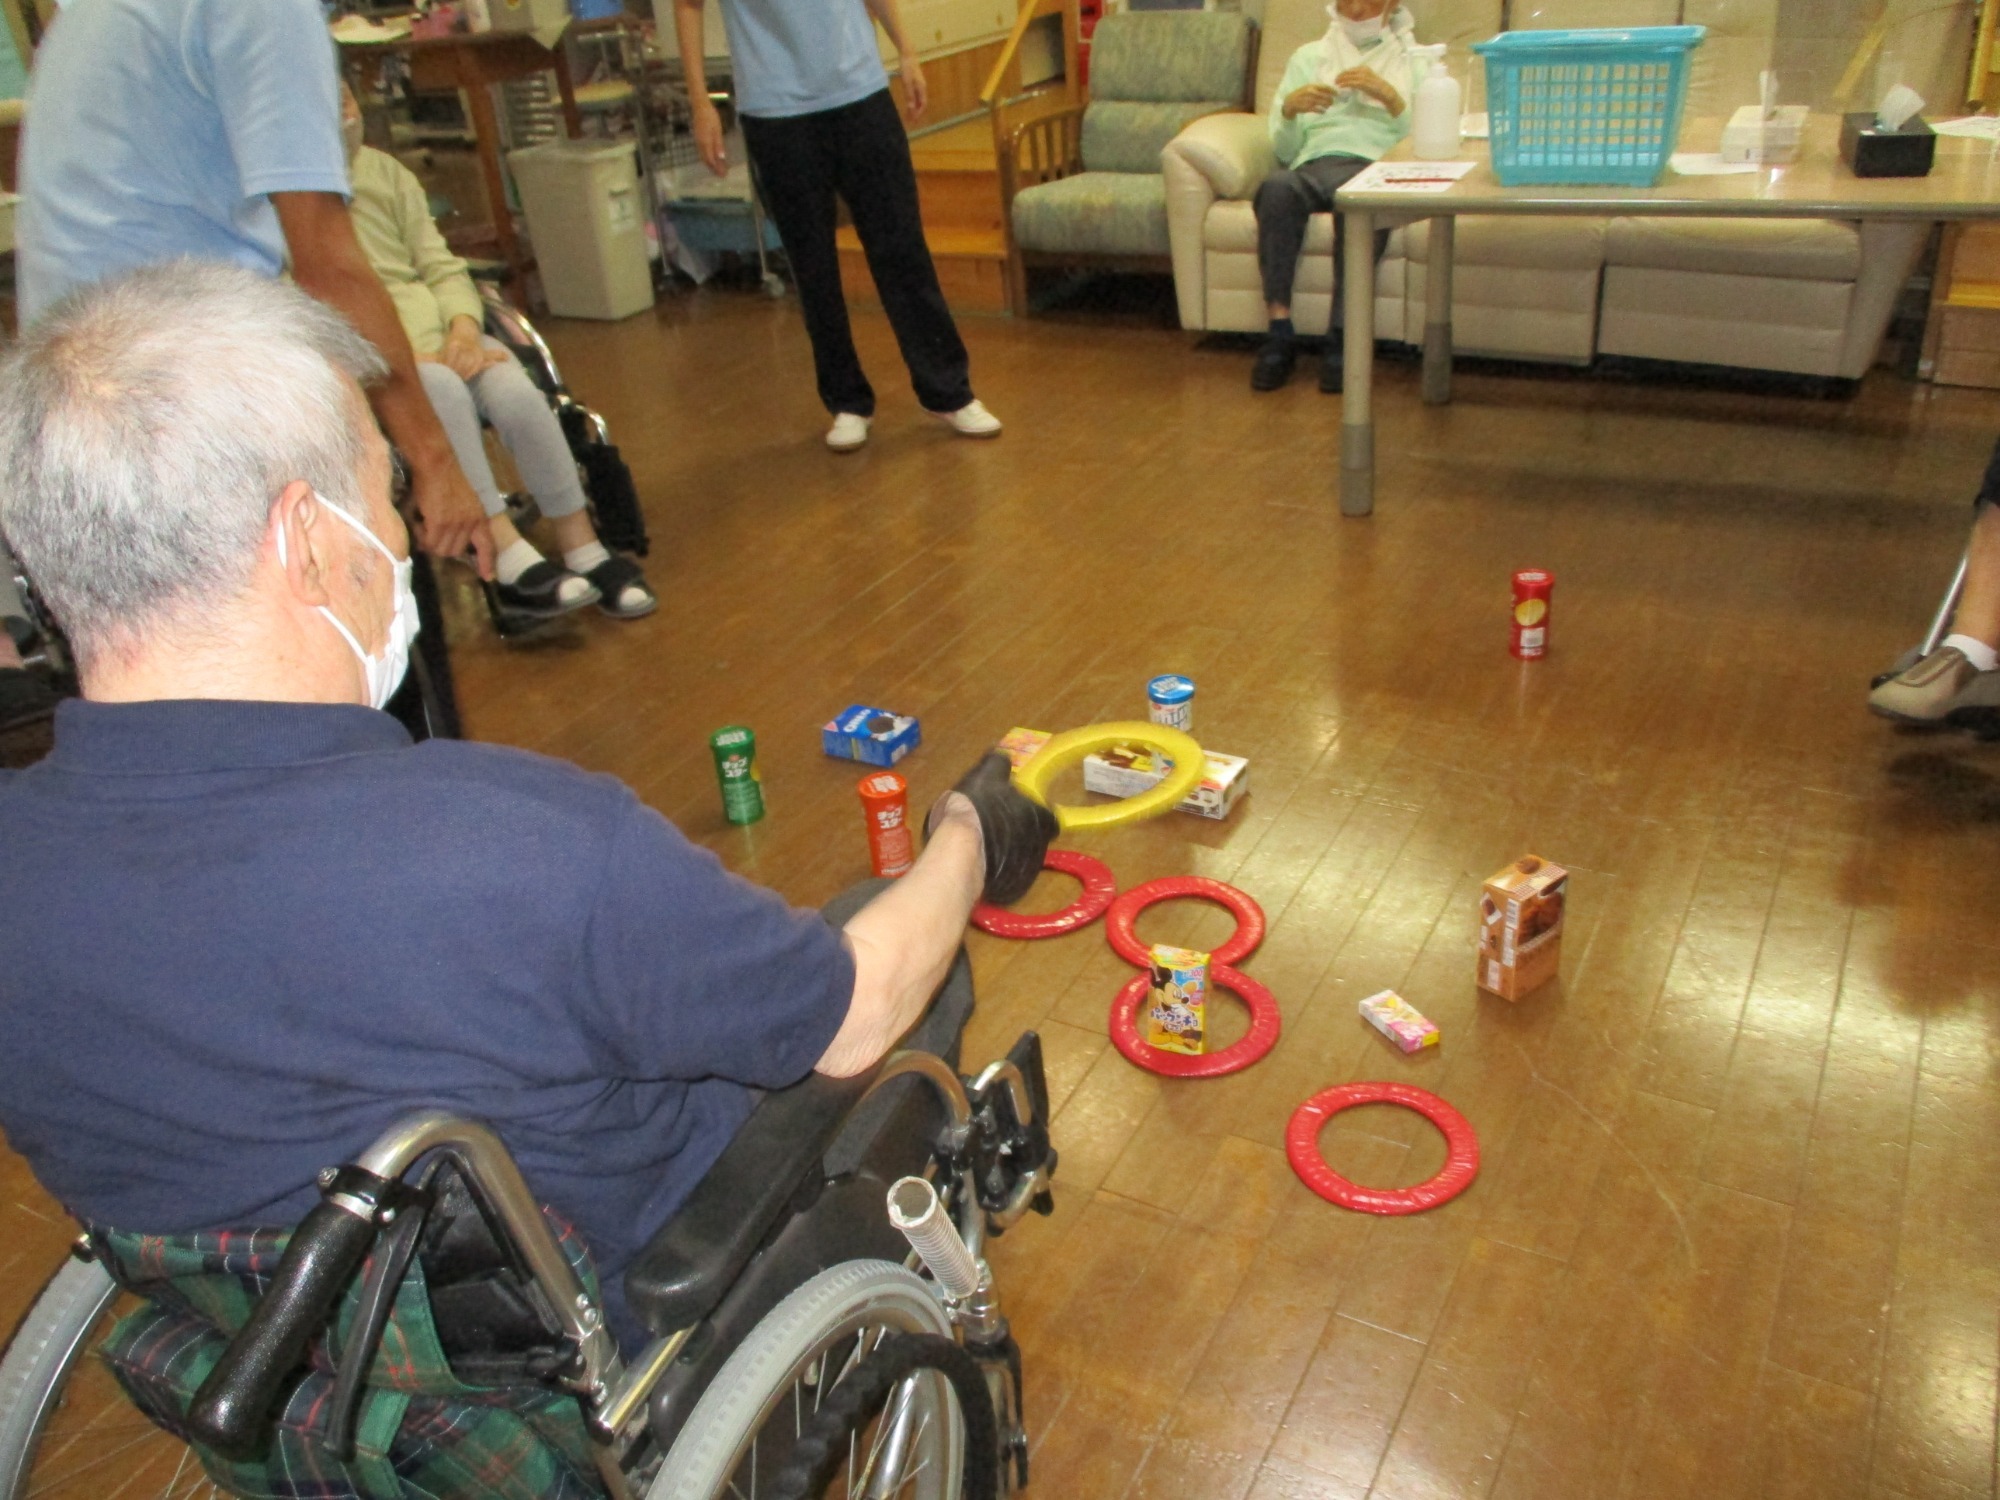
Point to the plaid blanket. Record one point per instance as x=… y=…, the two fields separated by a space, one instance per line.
x=420 y=1432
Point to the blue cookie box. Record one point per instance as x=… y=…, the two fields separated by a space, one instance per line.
x=847 y=738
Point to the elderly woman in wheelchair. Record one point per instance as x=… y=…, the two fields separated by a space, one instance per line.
x=471 y=379
x=344 y=1159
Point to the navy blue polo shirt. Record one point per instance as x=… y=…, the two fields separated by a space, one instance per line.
x=238 y=939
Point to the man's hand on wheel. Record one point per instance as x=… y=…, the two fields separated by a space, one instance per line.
x=1014 y=830
x=451 y=521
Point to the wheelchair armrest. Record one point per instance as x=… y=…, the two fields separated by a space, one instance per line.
x=680 y=1276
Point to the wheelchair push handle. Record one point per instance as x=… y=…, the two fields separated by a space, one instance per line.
x=230 y=1411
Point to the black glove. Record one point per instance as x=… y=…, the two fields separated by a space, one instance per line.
x=1015 y=830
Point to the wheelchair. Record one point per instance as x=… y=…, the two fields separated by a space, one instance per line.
x=801 y=1343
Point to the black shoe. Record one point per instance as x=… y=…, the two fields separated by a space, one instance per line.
x=1274 y=363
x=1333 y=365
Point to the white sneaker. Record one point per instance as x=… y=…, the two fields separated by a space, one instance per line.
x=971 y=420
x=848 y=432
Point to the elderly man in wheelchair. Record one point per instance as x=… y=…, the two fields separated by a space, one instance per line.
x=672 y=1191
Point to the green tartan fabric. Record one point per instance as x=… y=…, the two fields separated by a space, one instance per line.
x=421 y=1433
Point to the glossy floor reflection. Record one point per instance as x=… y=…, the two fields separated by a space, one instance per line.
x=1735 y=1230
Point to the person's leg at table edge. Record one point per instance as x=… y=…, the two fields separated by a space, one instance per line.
x=1961 y=672
x=1284 y=205
x=878 y=181
x=796 y=173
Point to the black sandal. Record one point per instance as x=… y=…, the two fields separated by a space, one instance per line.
x=614 y=578
x=538 y=593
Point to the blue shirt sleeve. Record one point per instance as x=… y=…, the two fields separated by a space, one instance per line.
x=270 y=67
x=697 y=973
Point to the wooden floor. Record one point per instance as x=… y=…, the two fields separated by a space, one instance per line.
x=1734 y=1234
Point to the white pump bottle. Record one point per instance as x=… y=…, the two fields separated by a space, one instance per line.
x=1436 y=130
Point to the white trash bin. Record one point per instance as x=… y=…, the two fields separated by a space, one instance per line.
x=587 y=217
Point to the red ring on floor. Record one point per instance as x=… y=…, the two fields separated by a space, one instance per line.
x=1099 y=886
x=1461 y=1163
x=1254 y=1043
x=1121 y=922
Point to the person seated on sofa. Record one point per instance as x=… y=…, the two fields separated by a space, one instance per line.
x=1343 y=102
x=469 y=376
x=1963 y=674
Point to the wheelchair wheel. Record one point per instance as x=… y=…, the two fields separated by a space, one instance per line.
x=66 y=1429
x=746 y=1429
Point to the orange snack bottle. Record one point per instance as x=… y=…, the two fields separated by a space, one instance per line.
x=885 y=799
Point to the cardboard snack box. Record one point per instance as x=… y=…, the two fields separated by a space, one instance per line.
x=1520 y=927
x=873 y=736
x=1129 y=770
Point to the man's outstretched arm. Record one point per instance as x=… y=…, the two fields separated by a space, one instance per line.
x=985 y=839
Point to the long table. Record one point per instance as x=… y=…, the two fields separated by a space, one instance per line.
x=1965 y=184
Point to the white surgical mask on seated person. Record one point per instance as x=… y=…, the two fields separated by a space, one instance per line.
x=384 y=673
x=350 y=136
x=1360 y=33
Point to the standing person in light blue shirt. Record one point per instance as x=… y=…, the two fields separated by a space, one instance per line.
x=822 y=128
x=161 y=129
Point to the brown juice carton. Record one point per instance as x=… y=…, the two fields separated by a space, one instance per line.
x=1520 y=927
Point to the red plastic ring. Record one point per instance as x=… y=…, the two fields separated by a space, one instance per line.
x=1099 y=886
x=1254 y=1043
x=1302 y=1147
x=1120 y=925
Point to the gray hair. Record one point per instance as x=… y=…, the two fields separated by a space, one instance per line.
x=148 y=423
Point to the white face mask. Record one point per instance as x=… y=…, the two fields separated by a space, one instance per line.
x=384 y=673
x=350 y=136
x=1361 y=33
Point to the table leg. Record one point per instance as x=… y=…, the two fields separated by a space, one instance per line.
x=486 y=130
x=566 y=87
x=1357 y=415
x=1437 y=313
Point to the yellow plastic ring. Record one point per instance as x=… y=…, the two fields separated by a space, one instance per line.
x=1070 y=747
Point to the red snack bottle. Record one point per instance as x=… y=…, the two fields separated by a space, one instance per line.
x=885 y=799
x=1533 y=589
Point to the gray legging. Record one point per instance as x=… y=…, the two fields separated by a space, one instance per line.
x=505 y=396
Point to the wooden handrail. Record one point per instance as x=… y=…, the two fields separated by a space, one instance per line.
x=1030 y=12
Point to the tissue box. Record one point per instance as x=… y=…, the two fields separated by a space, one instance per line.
x=1129 y=770
x=1520 y=927
x=873 y=736
x=1871 y=151
x=1749 y=137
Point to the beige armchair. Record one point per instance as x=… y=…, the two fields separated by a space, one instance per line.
x=1808 y=298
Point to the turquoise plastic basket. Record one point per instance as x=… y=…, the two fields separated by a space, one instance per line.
x=1587 y=108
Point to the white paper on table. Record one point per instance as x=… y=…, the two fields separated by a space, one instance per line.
x=1479 y=127
x=1983 y=127
x=1410 y=176
x=1709 y=164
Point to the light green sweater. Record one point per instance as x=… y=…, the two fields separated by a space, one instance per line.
x=392 y=218
x=1355 y=125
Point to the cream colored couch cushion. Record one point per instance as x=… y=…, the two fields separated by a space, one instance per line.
x=1806 y=249
x=1551 y=244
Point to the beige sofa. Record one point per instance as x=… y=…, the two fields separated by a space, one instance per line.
x=1809 y=298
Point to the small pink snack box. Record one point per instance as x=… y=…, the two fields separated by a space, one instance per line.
x=1398 y=1020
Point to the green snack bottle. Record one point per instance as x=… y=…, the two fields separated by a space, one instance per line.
x=735 y=751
